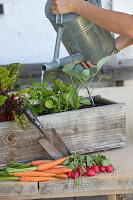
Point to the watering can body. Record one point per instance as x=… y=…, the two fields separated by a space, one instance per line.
x=82 y=36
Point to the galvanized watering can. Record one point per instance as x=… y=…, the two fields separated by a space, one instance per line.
x=83 y=40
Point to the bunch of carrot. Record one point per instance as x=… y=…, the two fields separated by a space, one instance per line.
x=41 y=170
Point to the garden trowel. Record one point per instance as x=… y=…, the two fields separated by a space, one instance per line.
x=54 y=145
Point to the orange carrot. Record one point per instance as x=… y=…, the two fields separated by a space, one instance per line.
x=33 y=173
x=59 y=166
x=52 y=164
x=39 y=162
x=61 y=175
x=58 y=171
x=36 y=179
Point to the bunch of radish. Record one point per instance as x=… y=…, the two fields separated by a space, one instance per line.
x=90 y=171
x=87 y=165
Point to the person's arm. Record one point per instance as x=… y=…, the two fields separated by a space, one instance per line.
x=117 y=22
x=122 y=42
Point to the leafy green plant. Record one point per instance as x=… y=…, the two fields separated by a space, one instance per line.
x=83 y=78
x=60 y=97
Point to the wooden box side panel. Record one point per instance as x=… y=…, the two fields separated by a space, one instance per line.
x=85 y=130
x=90 y=129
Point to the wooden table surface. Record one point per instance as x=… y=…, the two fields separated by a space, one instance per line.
x=119 y=182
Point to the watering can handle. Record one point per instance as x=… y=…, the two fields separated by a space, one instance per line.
x=59 y=20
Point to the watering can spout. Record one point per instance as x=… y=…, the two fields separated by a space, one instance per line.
x=55 y=64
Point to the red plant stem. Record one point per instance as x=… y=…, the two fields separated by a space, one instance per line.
x=6 y=114
x=0 y=119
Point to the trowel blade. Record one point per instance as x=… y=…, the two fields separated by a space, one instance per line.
x=59 y=143
x=50 y=149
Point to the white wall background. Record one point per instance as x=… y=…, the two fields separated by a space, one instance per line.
x=26 y=35
x=127 y=7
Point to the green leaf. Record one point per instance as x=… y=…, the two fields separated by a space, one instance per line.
x=5 y=81
x=55 y=98
x=77 y=182
x=25 y=91
x=66 y=162
x=2 y=99
x=85 y=101
x=105 y=162
x=77 y=105
x=65 y=96
x=49 y=104
x=14 y=72
x=82 y=157
x=102 y=62
x=89 y=72
x=101 y=76
x=72 y=166
x=58 y=82
x=22 y=121
x=89 y=161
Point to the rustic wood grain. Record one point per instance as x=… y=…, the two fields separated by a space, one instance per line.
x=85 y=130
x=15 y=188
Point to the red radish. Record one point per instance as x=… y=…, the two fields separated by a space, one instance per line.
x=70 y=174
x=102 y=168
x=91 y=172
x=75 y=175
x=80 y=171
x=95 y=168
x=109 y=169
x=87 y=168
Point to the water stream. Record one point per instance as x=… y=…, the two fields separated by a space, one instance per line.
x=42 y=76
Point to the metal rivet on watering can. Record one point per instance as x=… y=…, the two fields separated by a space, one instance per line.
x=10 y=139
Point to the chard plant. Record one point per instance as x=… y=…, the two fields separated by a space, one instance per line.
x=8 y=77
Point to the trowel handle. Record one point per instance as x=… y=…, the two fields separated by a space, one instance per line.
x=35 y=121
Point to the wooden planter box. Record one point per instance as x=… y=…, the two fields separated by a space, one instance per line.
x=84 y=130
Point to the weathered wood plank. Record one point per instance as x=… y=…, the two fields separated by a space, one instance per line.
x=89 y=186
x=89 y=130
x=15 y=188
